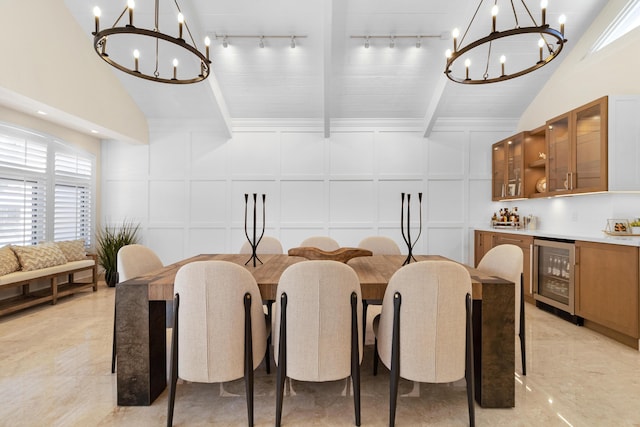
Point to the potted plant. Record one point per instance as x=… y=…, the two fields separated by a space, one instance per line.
x=110 y=239
x=635 y=226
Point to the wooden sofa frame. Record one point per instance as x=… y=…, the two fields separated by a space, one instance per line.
x=27 y=298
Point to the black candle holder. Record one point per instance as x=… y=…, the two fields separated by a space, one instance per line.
x=407 y=236
x=254 y=241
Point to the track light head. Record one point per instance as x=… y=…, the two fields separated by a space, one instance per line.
x=261 y=43
x=293 y=42
x=366 y=42
x=225 y=42
x=392 y=42
x=418 y=42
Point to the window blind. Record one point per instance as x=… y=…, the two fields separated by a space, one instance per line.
x=72 y=212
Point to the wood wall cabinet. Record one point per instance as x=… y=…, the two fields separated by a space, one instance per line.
x=606 y=292
x=535 y=144
x=485 y=240
x=577 y=150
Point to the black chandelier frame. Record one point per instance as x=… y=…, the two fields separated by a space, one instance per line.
x=543 y=29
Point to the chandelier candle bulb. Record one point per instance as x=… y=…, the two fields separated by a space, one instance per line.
x=180 y=22
x=455 y=33
x=467 y=64
x=543 y=7
x=136 y=57
x=175 y=69
x=503 y=59
x=541 y=45
x=96 y=14
x=561 y=20
x=131 y=5
x=207 y=43
x=494 y=14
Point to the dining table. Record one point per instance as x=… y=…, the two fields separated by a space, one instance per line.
x=141 y=338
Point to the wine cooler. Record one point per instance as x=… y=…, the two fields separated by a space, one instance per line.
x=553 y=273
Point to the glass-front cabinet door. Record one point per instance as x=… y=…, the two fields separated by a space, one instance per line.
x=498 y=160
x=559 y=155
x=589 y=172
x=514 y=166
x=507 y=166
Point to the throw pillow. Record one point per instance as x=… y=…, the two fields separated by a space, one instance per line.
x=8 y=261
x=39 y=256
x=73 y=250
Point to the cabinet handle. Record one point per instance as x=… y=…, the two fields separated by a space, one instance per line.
x=531 y=268
x=503 y=190
x=571 y=180
x=507 y=239
x=576 y=260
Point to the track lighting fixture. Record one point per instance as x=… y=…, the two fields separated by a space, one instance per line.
x=393 y=37
x=226 y=38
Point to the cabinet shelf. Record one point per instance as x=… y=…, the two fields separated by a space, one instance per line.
x=537 y=164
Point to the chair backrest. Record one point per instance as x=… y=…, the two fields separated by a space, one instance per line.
x=321 y=242
x=268 y=245
x=505 y=261
x=318 y=319
x=211 y=321
x=380 y=245
x=136 y=260
x=432 y=320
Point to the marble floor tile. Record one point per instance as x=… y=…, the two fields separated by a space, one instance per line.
x=55 y=370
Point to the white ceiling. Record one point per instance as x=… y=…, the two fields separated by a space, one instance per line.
x=330 y=75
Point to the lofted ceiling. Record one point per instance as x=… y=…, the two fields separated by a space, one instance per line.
x=330 y=75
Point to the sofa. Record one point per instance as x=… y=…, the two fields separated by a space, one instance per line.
x=24 y=266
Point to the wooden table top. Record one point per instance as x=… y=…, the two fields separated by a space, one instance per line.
x=374 y=273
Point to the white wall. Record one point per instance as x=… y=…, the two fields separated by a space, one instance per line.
x=187 y=187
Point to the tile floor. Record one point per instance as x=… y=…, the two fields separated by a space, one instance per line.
x=55 y=371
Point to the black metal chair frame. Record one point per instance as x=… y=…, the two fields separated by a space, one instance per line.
x=248 y=359
x=521 y=332
x=395 y=360
x=282 y=358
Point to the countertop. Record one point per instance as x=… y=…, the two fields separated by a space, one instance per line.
x=601 y=238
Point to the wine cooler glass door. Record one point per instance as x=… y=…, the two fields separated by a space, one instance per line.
x=554 y=274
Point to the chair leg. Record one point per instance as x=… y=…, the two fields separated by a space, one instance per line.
x=376 y=357
x=267 y=356
x=113 y=346
x=469 y=374
x=248 y=357
x=365 y=305
x=521 y=333
x=282 y=359
x=355 y=357
x=395 y=360
x=173 y=374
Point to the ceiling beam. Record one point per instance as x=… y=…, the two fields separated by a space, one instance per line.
x=435 y=105
x=198 y=34
x=327 y=28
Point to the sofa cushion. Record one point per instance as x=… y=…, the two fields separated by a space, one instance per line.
x=8 y=261
x=39 y=256
x=73 y=250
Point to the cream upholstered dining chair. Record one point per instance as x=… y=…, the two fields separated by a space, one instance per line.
x=424 y=331
x=267 y=245
x=133 y=261
x=506 y=262
x=378 y=245
x=317 y=330
x=219 y=331
x=324 y=243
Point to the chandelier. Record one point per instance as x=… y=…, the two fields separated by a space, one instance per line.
x=167 y=59
x=498 y=53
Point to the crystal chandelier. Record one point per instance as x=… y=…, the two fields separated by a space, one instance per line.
x=496 y=53
x=166 y=58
